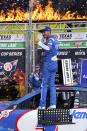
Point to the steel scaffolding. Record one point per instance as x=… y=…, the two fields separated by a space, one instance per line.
x=72 y=25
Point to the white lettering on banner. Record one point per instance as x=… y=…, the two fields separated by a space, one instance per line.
x=11 y=53
x=64 y=44
x=80 y=53
x=4 y=45
x=12 y=45
x=63 y=53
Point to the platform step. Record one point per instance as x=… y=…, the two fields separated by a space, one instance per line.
x=54 y=116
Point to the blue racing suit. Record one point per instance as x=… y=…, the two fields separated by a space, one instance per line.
x=35 y=80
x=49 y=70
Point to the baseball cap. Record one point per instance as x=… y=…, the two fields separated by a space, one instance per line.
x=37 y=66
x=46 y=28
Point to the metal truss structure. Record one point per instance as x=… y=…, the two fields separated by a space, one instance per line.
x=64 y=25
x=59 y=26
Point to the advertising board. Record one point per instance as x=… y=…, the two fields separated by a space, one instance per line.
x=12 y=64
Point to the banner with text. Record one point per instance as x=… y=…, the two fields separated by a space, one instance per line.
x=12 y=63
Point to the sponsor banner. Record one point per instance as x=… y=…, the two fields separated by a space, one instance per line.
x=74 y=54
x=10 y=60
x=12 y=70
x=68 y=36
x=12 y=38
x=72 y=36
x=78 y=38
x=12 y=45
x=73 y=44
x=12 y=65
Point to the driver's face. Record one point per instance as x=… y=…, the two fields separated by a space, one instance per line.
x=37 y=68
x=46 y=34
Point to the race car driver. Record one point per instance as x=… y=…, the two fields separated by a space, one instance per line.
x=49 y=68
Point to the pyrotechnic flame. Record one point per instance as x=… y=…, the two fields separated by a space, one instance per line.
x=38 y=14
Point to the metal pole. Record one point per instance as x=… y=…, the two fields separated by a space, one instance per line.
x=33 y=51
x=28 y=48
x=27 y=59
x=30 y=37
